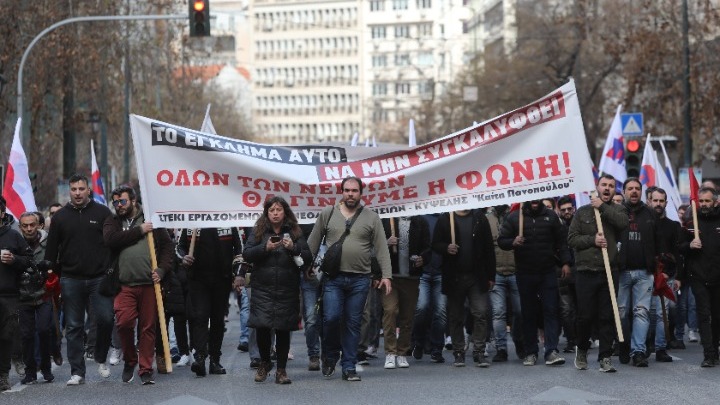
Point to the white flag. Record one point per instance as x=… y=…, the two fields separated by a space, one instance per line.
x=412 y=140
x=17 y=189
x=207 y=125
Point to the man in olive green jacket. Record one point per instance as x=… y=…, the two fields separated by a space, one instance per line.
x=594 y=304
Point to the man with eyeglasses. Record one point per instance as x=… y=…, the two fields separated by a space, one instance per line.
x=125 y=234
x=702 y=255
x=568 y=298
x=81 y=259
x=36 y=310
x=344 y=295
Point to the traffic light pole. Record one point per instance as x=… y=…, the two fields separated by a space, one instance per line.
x=70 y=21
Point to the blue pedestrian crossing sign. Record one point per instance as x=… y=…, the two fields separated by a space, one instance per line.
x=632 y=124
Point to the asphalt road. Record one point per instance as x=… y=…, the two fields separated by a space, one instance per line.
x=679 y=382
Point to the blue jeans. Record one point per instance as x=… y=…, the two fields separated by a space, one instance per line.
x=685 y=312
x=636 y=285
x=430 y=314
x=657 y=319
x=504 y=286
x=309 y=296
x=545 y=287
x=343 y=302
x=244 y=303
x=77 y=295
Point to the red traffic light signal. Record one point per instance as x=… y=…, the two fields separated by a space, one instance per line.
x=633 y=157
x=199 y=18
x=633 y=146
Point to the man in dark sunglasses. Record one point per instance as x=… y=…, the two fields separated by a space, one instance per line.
x=135 y=304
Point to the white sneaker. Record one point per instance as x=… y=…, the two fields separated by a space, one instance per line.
x=390 y=361
x=692 y=336
x=402 y=362
x=76 y=380
x=291 y=356
x=184 y=360
x=371 y=351
x=104 y=370
x=114 y=356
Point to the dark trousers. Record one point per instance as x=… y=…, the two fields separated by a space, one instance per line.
x=282 y=345
x=545 y=286
x=77 y=296
x=208 y=302
x=8 y=331
x=467 y=287
x=707 y=302
x=180 y=326
x=36 y=319
x=594 y=308
x=568 y=311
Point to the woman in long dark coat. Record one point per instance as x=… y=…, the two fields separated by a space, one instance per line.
x=275 y=301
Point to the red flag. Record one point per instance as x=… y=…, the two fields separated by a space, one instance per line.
x=514 y=207
x=694 y=187
x=661 y=287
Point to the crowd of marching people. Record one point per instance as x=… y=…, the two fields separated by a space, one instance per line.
x=616 y=274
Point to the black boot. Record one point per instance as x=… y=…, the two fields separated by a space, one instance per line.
x=216 y=367
x=198 y=366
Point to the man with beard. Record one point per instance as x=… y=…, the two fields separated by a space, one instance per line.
x=81 y=259
x=124 y=234
x=702 y=254
x=568 y=298
x=543 y=242
x=668 y=240
x=593 y=292
x=344 y=295
x=505 y=287
x=636 y=261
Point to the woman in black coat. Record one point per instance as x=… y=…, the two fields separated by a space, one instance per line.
x=273 y=250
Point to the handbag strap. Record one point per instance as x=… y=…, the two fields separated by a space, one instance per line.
x=350 y=224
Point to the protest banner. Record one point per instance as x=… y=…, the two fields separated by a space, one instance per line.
x=194 y=179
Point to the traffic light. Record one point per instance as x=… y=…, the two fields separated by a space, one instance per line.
x=633 y=157
x=199 y=18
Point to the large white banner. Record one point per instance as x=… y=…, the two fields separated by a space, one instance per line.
x=194 y=179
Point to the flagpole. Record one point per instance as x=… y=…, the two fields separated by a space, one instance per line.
x=608 y=274
x=160 y=306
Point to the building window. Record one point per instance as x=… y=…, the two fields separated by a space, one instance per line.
x=425 y=58
x=425 y=30
x=402 y=59
x=378 y=31
x=402 y=88
x=379 y=89
x=377 y=5
x=425 y=88
x=423 y=4
x=379 y=60
x=400 y=4
x=380 y=115
x=402 y=31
